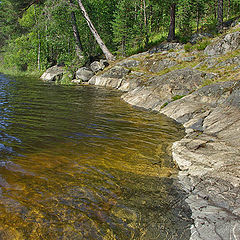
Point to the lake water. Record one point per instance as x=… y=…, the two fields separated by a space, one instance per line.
x=79 y=163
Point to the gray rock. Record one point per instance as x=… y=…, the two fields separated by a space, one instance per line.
x=116 y=72
x=199 y=37
x=84 y=74
x=210 y=161
x=77 y=81
x=97 y=66
x=172 y=55
x=129 y=63
x=188 y=59
x=162 y=64
x=209 y=62
x=229 y=43
x=166 y=47
x=160 y=89
x=229 y=62
x=54 y=73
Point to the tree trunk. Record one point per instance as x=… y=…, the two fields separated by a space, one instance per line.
x=198 y=19
x=79 y=48
x=104 y=48
x=171 y=33
x=39 y=53
x=39 y=43
x=228 y=10
x=220 y=16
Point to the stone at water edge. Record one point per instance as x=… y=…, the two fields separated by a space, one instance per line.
x=84 y=74
x=54 y=73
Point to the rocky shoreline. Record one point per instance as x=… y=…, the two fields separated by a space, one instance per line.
x=172 y=81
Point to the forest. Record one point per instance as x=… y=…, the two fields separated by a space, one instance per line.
x=37 y=34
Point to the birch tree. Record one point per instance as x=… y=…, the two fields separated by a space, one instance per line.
x=109 y=56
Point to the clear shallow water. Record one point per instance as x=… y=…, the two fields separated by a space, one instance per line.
x=79 y=163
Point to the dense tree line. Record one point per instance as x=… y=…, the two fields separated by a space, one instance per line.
x=40 y=33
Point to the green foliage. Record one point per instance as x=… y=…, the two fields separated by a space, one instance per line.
x=188 y=47
x=66 y=79
x=177 y=97
x=200 y=46
x=39 y=34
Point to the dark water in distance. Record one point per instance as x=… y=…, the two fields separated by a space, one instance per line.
x=79 y=163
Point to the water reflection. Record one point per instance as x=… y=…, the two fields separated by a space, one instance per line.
x=78 y=163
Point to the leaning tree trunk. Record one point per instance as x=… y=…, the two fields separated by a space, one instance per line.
x=220 y=16
x=171 y=33
x=104 y=48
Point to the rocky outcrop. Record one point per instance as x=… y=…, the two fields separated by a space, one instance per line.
x=129 y=63
x=229 y=43
x=54 y=73
x=114 y=78
x=209 y=157
x=160 y=90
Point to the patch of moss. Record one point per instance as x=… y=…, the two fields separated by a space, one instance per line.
x=177 y=97
x=164 y=105
x=207 y=82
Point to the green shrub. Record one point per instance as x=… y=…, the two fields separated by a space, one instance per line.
x=203 y=44
x=188 y=47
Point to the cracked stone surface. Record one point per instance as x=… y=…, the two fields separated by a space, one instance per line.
x=210 y=159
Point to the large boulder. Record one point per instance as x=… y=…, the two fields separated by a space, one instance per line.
x=229 y=43
x=84 y=74
x=115 y=77
x=54 y=73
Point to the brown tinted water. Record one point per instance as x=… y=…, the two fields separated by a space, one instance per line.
x=79 y=163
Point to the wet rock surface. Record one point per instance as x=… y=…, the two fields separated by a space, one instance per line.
x=210 y=158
